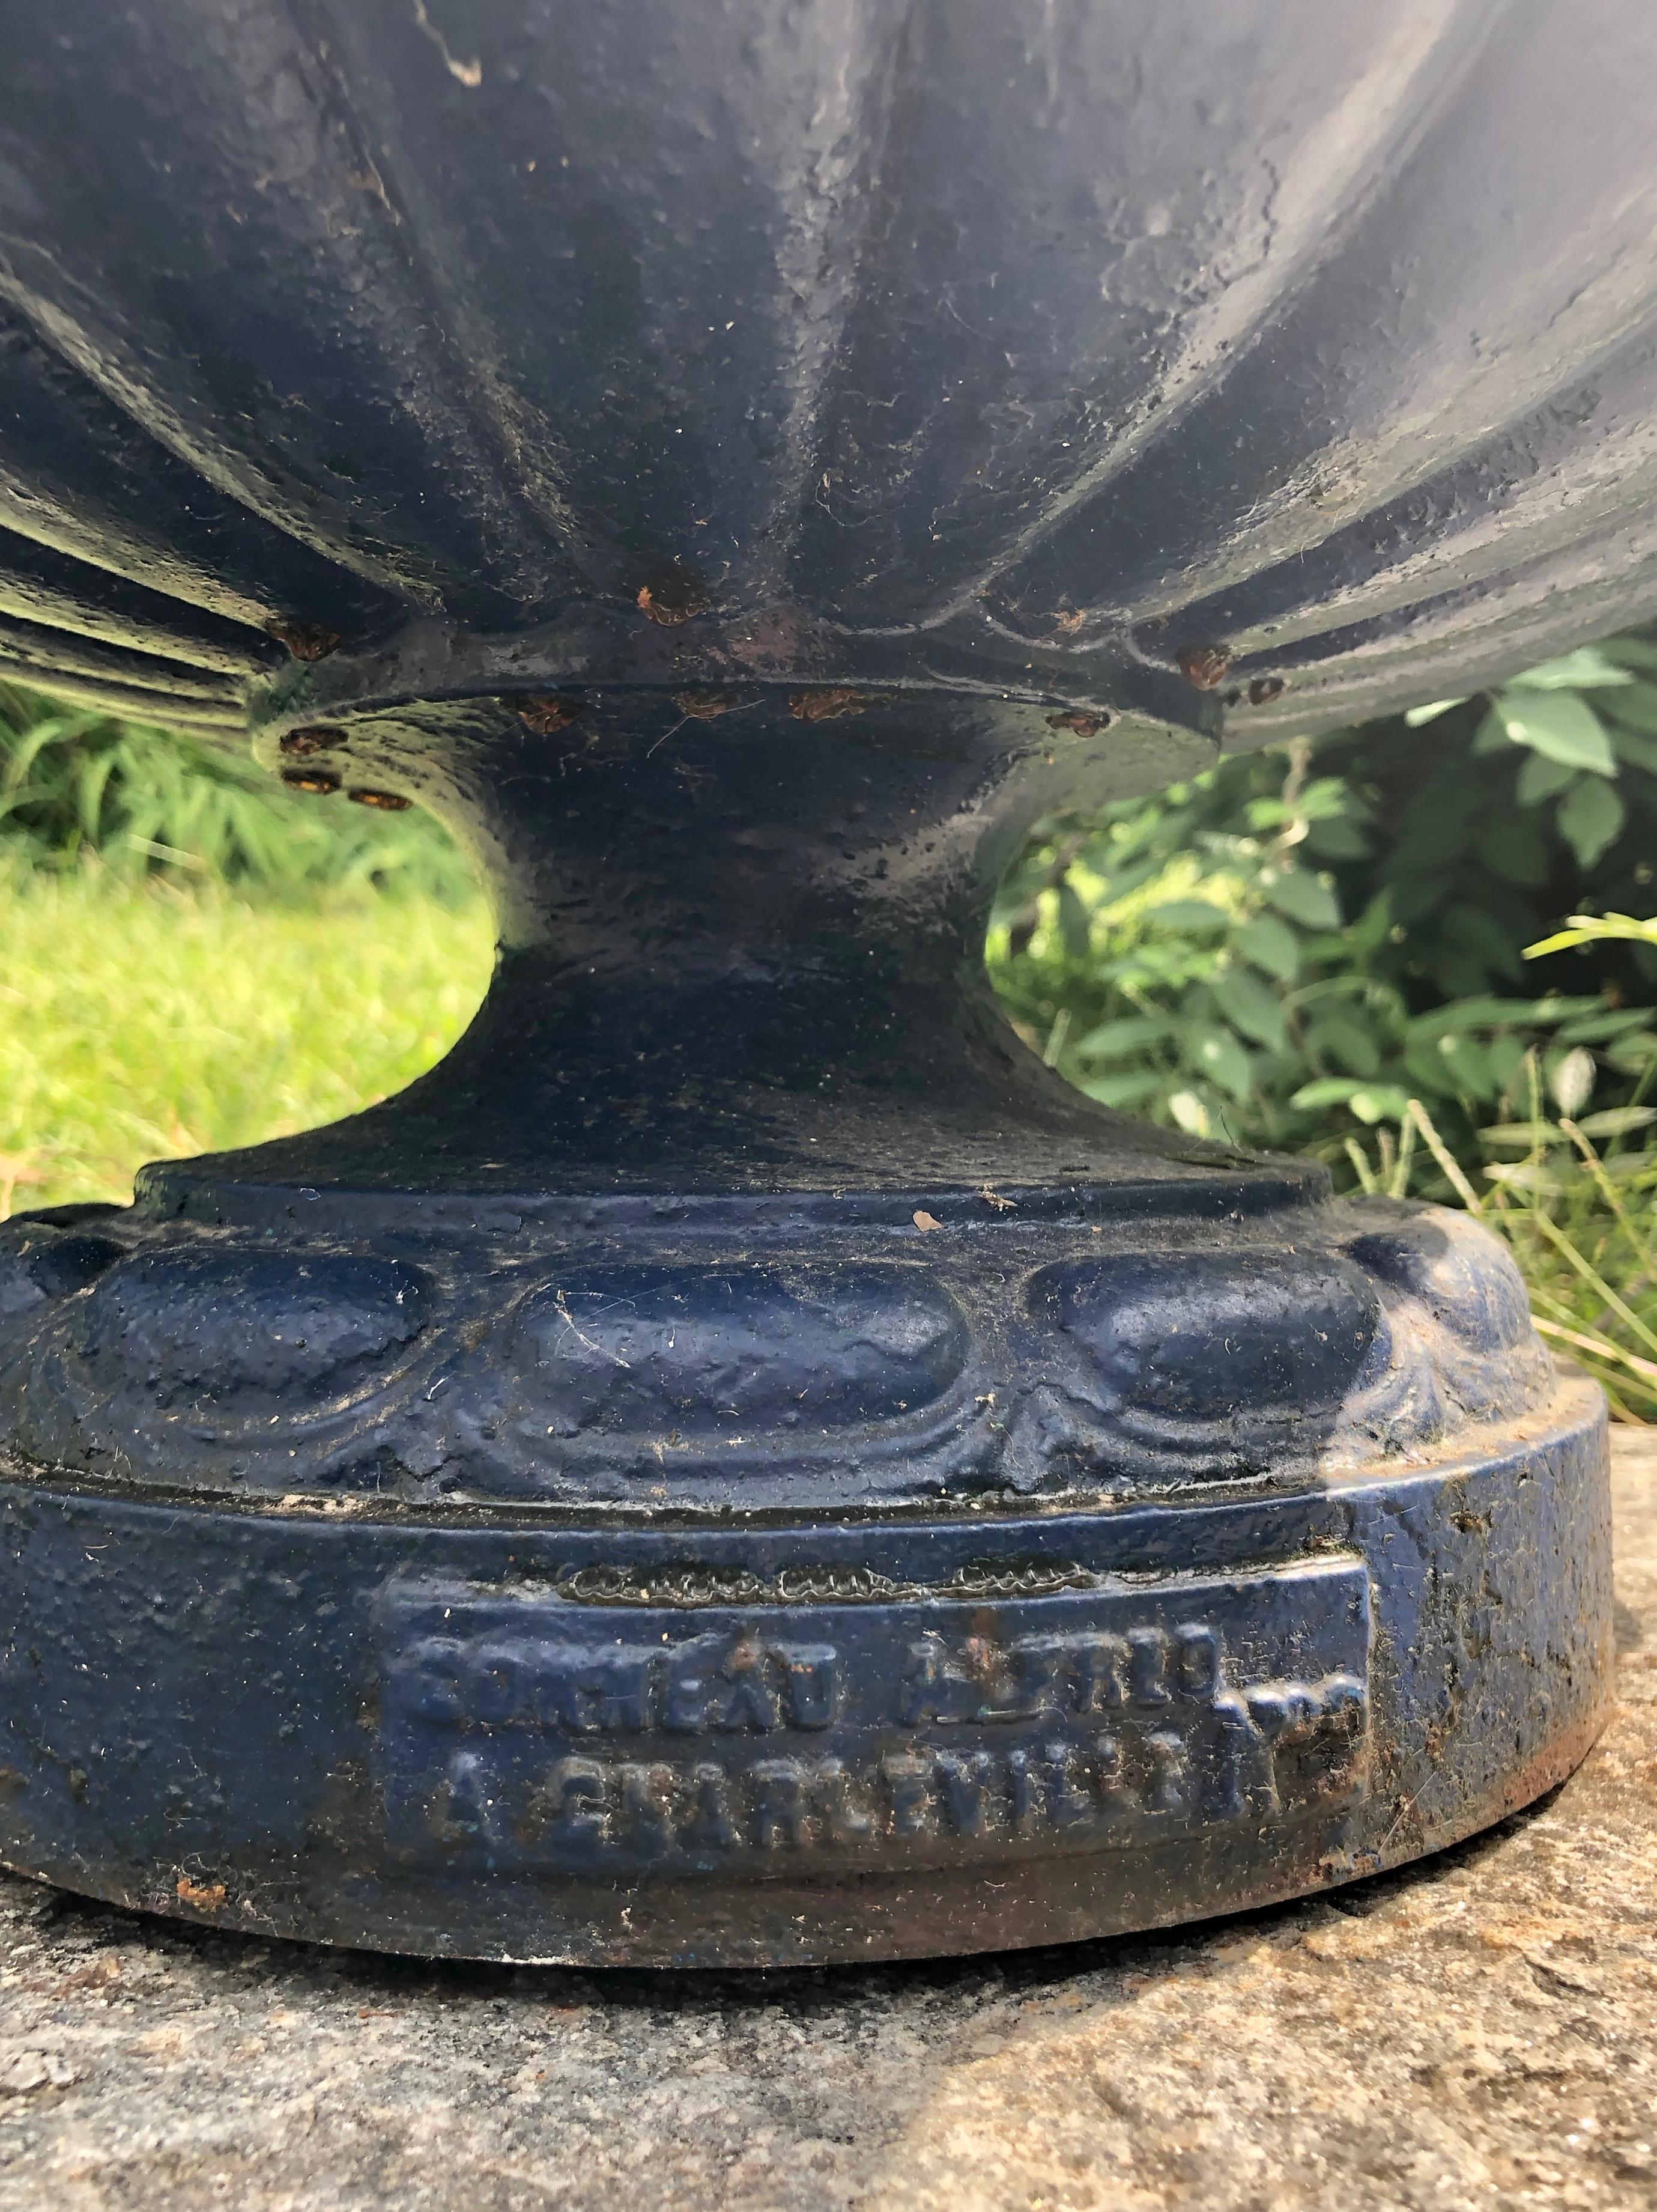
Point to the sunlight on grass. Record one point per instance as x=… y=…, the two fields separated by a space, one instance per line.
x=138 y=1023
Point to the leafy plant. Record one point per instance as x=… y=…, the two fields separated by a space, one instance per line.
x=1290 y=949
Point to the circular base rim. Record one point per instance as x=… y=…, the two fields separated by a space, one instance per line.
x=202 y=1714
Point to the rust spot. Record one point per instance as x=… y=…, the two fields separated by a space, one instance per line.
x=321 y=781
x=389 y=802
x=828 y=704
x=923 y=1220
x=706 y=706
x=1084 y=725
x=548 y=713
x=305 y=640
x=1264 y=689
x=1205 y=666
x=312 y=740
x=674 y=597
x=101 y=1974
x=203 y=1895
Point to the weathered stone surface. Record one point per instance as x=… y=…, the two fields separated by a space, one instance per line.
x=1477 y=2031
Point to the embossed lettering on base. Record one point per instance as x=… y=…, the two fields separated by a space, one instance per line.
x=530 y=1731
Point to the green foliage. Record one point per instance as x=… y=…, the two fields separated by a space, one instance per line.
x=152 y=802
x=1290 y=950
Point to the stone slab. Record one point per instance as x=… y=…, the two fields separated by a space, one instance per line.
x=1478 y=2030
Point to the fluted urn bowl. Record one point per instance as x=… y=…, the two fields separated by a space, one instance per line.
x=740 y=1462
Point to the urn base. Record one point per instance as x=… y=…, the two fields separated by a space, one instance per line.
x=778 y=1580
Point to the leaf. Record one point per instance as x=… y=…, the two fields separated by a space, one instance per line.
x=1631 y=652
x=1370 y=1101
x=1126 y=1089
x=1337 y=841
x=1190 y=1113
x=1380 y=1102
x=1638 y=1167
x=1304 y=897
x=1326 y=1090
x=1525 y=1175
x=1635 y=709
x=1618 y=1120
x=1559 y=724
x=1268 y=813
x=1338 y=1037
x=1526 y=1136
x=1267 y=943
x=1251 y=1007
x=1219 y=1055
x=1075 y=923
x=1540 y=777
x=1366 y=936
x=1637 y=747
x=1424 y=1068
x=1502 y=1014
x=1416 y=715
x=1130 y=1033
x=1632 y=1055
x=1187 y=914
x=1590 y=817
x=1507 y=1056
x=1491 y=735
x=1331 y=798
x=1587 y=669
x=1467 y=1065
x=1600 y=1028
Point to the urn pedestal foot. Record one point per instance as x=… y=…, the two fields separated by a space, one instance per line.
x=744 y=1586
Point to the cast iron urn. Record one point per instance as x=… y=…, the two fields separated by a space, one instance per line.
x=740 y=1464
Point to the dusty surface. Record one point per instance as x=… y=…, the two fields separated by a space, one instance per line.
x=1480 y=2031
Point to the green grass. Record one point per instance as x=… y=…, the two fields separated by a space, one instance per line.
x=1592 y=1268
x=1578 y=1209
x=139 y=1021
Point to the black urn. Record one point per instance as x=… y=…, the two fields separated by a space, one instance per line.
x=740 y=1463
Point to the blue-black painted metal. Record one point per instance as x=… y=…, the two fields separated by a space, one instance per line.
x=740 y=1463
x=530 y=1738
